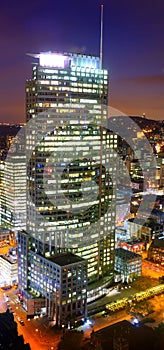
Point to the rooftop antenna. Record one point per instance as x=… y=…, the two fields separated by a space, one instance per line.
x=101 y=36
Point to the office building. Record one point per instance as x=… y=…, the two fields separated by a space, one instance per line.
x=71 y=86
x=115 y=336
x=127 y=264
x=71 y=166
x=5 y=236
x=156 y=251
x=55 y=286
x=13 y=192
x=8 y=270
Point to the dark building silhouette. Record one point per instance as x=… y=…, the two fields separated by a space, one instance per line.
x=126 y=336
x=9 y=338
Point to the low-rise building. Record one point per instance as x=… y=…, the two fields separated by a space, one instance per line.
x=144 y=230
x=135 y=245
x=114 y=337
x=4 y=235
x=156 y=251
x=128 y=265
x=124 y=335
x=9 y=269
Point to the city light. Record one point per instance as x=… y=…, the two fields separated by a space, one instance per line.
x=52 y=60
x=88 y=323
x=135 y=321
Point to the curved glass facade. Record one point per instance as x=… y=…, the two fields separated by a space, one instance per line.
x=71 y=162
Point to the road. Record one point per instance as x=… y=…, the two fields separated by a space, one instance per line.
x=150 y=269
x=41 y=337
x=35 y=331
x=101 y=322
x=157 y=304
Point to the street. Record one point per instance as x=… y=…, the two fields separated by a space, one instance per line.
x=35 y=331
x=40 y=336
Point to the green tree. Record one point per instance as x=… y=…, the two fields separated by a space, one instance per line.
x=144 y=282
x=72 y=340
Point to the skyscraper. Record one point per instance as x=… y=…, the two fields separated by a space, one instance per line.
x=13 y=191
x=71 y=163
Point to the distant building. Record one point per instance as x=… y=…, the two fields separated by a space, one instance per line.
x=127 y=264
x=7 y=133
x=13 y=192
x=9 y=269
x=126 y=336
x=156 y=251
x=5 y=235
x=161 y=176
x=9 y=338
x=144 y=230
x=135 y=245
x=114 y=337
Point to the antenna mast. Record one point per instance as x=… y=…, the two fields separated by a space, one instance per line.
x=101 y=36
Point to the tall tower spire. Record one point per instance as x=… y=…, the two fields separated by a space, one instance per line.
x=101 y=36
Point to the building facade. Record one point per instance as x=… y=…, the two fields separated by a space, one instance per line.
x=5 y=235
x=55 y=286
x=156 y=251
x=13 y=191
x=127 y=264
x=67 y=216
x=8 y=270
x=71 y=175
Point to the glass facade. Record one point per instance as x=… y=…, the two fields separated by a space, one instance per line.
x=127 y=264
x=13 y=192
x=71 y=161
x=61 y=281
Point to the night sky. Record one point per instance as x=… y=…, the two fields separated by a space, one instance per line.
x=133 y=48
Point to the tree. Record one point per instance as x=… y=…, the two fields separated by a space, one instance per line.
x=71 y=340
x=144 y=282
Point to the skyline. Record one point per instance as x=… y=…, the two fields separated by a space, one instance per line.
x=132 y=49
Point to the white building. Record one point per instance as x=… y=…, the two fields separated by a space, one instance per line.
x=9 y=269
x=13 y=192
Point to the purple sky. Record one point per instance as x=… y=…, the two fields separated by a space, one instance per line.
x=133 y=48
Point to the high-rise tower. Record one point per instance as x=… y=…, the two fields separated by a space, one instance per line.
x=71 y=163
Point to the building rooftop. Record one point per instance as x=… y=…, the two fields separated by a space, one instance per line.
x=139 y=221
x=110 y=330
x=66 y=259
x=149 y=223
x=124 y=335
x=106 y=335
x=10 y=259
x=158 y=243
x=67 y=59
x=134 y=240
x=126 y=254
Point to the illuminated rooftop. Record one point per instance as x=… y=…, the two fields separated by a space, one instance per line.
x=66 y=60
